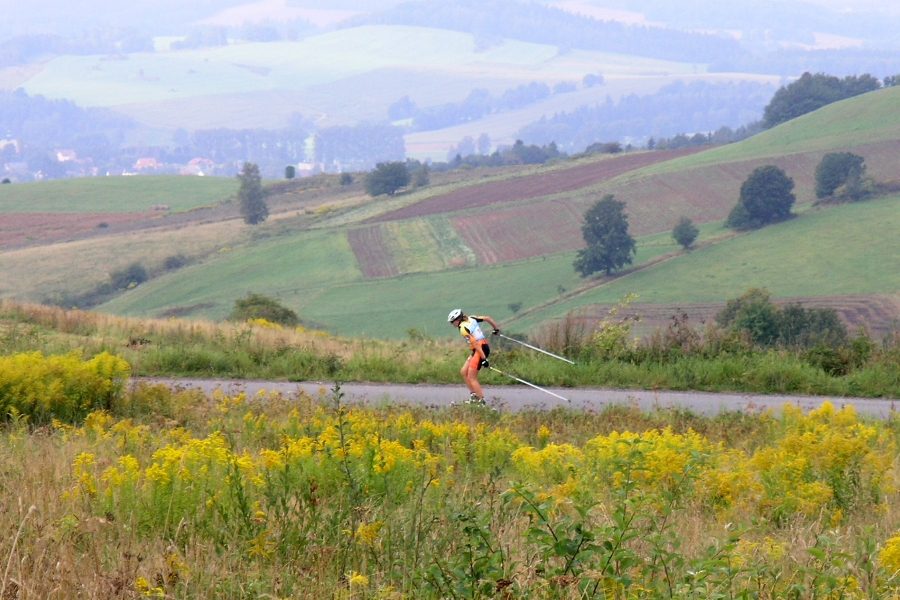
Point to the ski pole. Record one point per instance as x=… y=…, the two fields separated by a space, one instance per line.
x=536 y=348
x=537 y=387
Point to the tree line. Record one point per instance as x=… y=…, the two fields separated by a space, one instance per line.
x=492 y=21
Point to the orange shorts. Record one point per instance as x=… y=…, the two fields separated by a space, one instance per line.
x=475 y=359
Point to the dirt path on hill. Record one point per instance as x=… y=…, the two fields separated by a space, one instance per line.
x=515 y=398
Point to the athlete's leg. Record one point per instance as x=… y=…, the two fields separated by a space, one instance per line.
x=470 y=373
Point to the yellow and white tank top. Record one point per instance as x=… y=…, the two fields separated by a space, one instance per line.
x=471 y=330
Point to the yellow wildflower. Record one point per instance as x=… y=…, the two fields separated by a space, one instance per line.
x=889 y=555
x=367 y=533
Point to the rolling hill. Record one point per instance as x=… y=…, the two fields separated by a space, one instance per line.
x=321 y=77
x=502 y=241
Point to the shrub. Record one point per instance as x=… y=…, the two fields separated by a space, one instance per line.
x=791 y=326
x=257 y=306
x=61 y=387
x=837 y=169
x=132 y=275
x=176 y=261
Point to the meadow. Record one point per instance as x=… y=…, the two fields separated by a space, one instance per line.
x=145 y=492
x=116 y=194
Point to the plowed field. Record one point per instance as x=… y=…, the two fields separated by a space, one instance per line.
x=532 y=186
x=373 y=255
x=522 y=232
x=17 y=229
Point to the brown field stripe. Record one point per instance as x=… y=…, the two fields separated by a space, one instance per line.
x=372 y=252
x=531 y=186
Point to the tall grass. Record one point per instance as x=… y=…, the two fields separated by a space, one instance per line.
x=606 y=357
x=306 y=497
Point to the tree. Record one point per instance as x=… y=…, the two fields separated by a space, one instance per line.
x=605 y=231
x=251 y=196
x=837 y=169
x=257 y=306
x=419 y=173
x=812 y=92
x=387 y=178
x=685 y=232
x=766 y=197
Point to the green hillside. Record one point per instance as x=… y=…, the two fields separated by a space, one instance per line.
x=116 y=194
x=847 y=249
x=857 y=121
x=460 y=258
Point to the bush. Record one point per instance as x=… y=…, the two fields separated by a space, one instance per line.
x=59 y=387
x=257 y=306
x=176 y=261
x=838 y=169
x=792 y=326
x=132 y=275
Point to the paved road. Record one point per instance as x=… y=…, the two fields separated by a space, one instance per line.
x=513 y=398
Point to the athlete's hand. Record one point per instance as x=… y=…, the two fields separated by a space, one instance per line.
x=485 y=364
x=496 y=331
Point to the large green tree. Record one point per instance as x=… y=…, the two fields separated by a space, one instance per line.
x=251 y=197
x=605 y=231
x=387 y=178
x=766 y=197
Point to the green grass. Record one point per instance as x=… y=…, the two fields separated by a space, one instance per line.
x=315 y=274
x=292 y=269
x=847 y=249
x=116 y=194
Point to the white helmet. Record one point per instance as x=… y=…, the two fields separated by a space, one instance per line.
x=454 y=315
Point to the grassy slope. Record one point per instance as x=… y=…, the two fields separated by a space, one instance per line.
x=116 y=194
x=293 y=269
x=848 y=249
x=839 y=126
x=316 y=274
x=35 y=273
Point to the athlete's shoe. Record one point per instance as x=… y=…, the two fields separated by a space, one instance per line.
x=475 y=399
